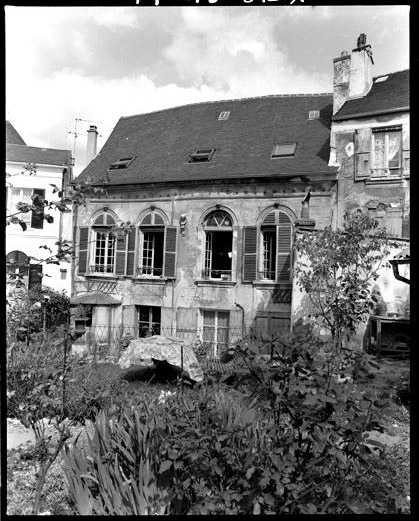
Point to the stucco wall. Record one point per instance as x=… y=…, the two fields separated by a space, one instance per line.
x=244 y=203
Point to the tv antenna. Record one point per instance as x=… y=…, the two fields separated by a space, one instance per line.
x=76 y=134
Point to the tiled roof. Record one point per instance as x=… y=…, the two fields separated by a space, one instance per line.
x=41 y=156
x=162 y=141
x=12 y=135
x=389 y=93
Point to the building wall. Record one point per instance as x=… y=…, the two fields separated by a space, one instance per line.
x=30 y=240
x=182 y=298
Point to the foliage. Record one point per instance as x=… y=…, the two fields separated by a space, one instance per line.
x=337 y=269
x=120 y=477
x=292 y=439
x=28 y=311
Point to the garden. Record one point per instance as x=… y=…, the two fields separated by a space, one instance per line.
x=319 y=426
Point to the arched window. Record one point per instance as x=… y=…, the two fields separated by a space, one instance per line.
x=104 y=243
x=157 y=246
x=218 y=229
x=267 y=248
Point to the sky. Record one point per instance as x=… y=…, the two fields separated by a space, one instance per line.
x=97 y=64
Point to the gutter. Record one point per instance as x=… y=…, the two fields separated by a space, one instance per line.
x=371 y=113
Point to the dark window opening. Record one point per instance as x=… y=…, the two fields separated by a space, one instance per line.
x=218 y=255
x=122 y=163
x=269 y=253
x=201 y=155
x=153 y=252
x=149 y=321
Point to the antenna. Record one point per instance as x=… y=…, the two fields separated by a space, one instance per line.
x=77 y=134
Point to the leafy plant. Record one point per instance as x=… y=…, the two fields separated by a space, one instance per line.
x=337 y=268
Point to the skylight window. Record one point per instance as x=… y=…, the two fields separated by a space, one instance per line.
x=201 y=155
x=121 y=163
x=224 y=115
x=314 y=114
x=381 y=78
x=284 y=150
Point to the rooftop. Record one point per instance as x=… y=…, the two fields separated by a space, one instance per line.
x=41 y=156
x=389 y=93
x=162 y=142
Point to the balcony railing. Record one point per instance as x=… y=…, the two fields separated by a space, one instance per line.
x=216 y=274
x=102 y=268
x=149 y=271
x=267 y=275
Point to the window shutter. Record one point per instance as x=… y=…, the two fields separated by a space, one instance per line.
x=186 y=323
x=131 y=252
x=284 y=252
x=236 y=325
x=394 y=222
x=35 y=275
x=83 y=245
x=406 y=150
x=37 y=219
x=170 y=252
x=362 y=153
x=121 y=255
x=249 y=253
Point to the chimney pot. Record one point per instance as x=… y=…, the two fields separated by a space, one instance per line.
x=91 y=148
x=362 y=40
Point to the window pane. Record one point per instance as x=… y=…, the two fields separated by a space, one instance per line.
x=269 y=254
x=379 y=151
x=209 y=318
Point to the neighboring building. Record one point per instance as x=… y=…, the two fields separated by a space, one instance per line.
x=32 y=171
x=370 y=144
x=214 y=192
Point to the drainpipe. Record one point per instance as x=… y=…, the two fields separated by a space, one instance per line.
x=243 y=325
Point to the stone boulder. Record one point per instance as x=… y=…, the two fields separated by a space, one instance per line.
x=146 y=351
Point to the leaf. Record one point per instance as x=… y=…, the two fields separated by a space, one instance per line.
x=249 y=472
x=165 y=466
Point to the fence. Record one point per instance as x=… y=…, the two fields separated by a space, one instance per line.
x=111 y=341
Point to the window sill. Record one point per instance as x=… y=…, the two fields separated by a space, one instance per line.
x=271 y=284
x=215 y=282
x=383 y=180
x=150 y=280
x=100 y=275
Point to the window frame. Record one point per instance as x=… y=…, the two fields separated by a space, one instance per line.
x=276 y=155
x=386 y=131
x=141 y=268
x=201 y=155
x=208 y=253
x=104 y=227
x=215 y=344
x=151 y=323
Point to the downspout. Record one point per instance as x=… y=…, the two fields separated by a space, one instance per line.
x=395 y=266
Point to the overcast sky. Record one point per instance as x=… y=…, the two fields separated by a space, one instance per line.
x=101 y=63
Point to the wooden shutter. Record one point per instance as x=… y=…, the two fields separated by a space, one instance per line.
x=406 y=150
x=283 y=263
x=131 y=252
x=83 y=246
x=187 y=323
x=249 y=253
x=37 y=219
x=169 y=270
x=236 y=325
x=121 y=255
x=362 y=153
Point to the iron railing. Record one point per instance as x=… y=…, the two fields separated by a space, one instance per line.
x=208 y=273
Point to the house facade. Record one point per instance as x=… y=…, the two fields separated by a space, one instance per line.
x=370 y=144
x=31 y=171
x=211 y=195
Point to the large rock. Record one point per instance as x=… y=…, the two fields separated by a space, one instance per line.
x=143 y=352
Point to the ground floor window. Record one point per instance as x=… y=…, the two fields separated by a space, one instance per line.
x=215 y=331
x=149 y=320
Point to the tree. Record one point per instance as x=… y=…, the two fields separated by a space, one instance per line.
x=337 y=269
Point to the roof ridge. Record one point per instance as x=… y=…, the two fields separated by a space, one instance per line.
x=388 y=73
x=308 y=95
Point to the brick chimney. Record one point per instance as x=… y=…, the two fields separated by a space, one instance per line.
x=91 y=149
x=352 y=73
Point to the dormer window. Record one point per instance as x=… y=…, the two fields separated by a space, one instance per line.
x=284 y=150
x=314 y=114
x=201 y=155
x=121 y=163
x=224 y=115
